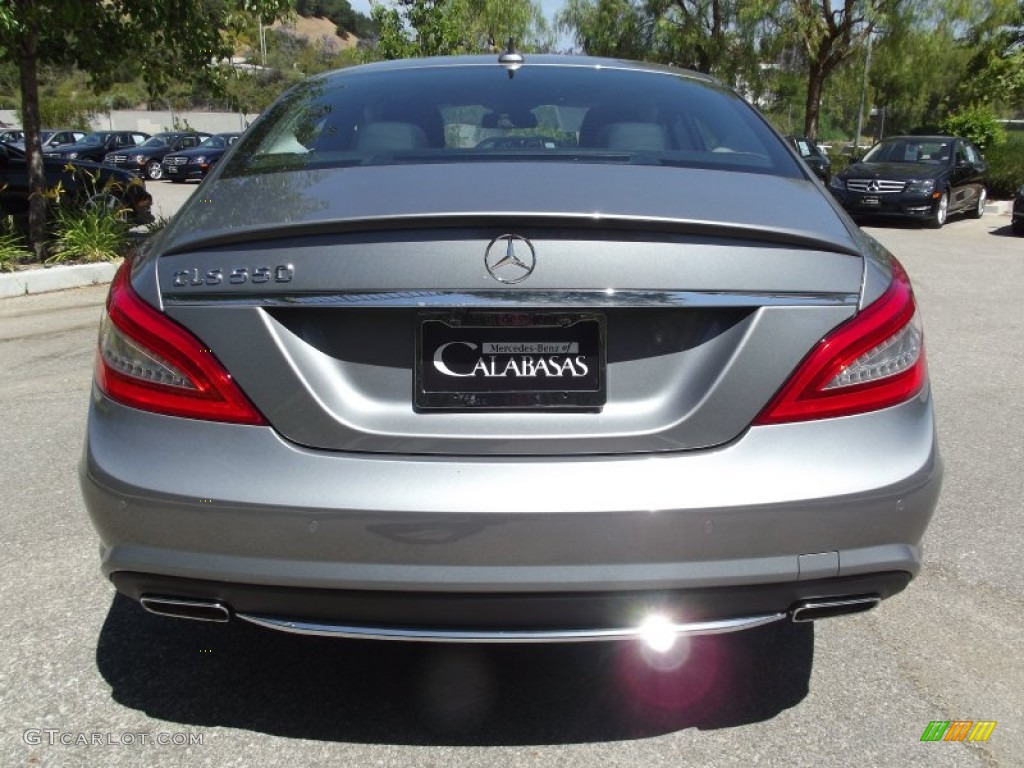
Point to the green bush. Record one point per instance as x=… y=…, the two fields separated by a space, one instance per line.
x=978 y=124
x=12 y=245
x=91 y=234
x=1005 y=168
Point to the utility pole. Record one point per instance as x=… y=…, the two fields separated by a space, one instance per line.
x=263 y=44
x=864 y=90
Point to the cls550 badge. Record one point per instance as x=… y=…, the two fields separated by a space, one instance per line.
x=195 y=277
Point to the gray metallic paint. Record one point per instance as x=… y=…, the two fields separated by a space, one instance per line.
x=864 y=485
x=274 y=205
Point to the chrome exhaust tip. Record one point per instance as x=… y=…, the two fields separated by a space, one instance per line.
x=825 y=608
x=186 y=608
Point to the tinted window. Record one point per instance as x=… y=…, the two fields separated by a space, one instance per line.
x=910 y=151
x=477 y=112
x=160 y=140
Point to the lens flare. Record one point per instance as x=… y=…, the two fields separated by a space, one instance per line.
x=658 y=633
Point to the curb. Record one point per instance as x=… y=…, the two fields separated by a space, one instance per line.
x=56 y=278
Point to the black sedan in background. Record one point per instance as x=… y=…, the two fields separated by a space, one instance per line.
x=916 y=177
x=811 y=154
x=196 y=163
x=79 y=182
x=95 y=146
x=146 y=159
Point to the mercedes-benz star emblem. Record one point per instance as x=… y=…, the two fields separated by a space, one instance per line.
x=874 y=186
x=510 y=258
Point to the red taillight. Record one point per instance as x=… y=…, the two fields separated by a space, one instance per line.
x=148 y=361
x=873 y=361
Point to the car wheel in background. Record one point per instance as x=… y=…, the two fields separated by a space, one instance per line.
x=938 y=217
x=153 y=170
x=979 y=210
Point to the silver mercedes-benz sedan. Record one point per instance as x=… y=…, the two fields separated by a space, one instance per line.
x=511 y=349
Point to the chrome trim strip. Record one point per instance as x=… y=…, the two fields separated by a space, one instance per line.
x=517 y=299
x=715 y=627
x=857 y=604
x=186 y=609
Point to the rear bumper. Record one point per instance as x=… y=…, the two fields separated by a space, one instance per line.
x=782 y=514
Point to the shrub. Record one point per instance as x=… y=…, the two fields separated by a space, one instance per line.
x=91 y=234
x=12 y=245
x=978 y=124
x=1005 y=168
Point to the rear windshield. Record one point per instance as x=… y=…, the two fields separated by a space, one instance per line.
x=467 y=113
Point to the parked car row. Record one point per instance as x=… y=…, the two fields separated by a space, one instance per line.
x=147 y=158
x=926 y=178
x=95 y=146
x=177 y=155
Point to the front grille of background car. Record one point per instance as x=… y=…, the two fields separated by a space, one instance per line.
x=120 y=158
x=176 y=160
x=881 y=186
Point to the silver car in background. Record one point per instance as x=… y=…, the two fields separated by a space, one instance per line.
x=510 y=349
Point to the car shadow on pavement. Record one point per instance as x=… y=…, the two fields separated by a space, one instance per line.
x=1006 y=231
x=241 y=676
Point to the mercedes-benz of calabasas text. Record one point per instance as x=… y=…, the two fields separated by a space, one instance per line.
x=510 y=348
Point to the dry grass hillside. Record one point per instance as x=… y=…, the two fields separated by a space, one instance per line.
x=316 y=29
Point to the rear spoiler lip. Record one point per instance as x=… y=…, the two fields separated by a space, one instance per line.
x=522 y=219
x=505 y=300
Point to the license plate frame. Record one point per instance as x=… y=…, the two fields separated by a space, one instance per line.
x=519 y=360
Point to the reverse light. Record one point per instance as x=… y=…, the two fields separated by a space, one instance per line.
x=872 y=361
x=148 y=361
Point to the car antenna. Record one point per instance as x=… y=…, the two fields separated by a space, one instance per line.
x=510 y=58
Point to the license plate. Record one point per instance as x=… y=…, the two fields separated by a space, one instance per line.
x=172 y=169
x=517 y=360
x=871 y=201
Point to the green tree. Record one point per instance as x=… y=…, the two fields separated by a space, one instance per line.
x=448 y=27
x=164 y=41
x=828 y=33
x=719 y=37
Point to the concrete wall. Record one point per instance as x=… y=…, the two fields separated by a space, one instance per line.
x=153 y=122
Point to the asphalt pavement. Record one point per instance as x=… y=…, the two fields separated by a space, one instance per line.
x=89 y=679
